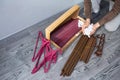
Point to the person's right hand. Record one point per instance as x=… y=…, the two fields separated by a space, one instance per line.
x=86 y=24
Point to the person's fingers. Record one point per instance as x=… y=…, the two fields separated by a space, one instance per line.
x=93 y=31
x=82 y=31
x=83 y=27
x=87 y=23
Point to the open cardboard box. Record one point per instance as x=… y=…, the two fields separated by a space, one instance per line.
x=72 y=13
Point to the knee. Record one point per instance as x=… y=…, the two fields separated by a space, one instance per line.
x=113 y=24
x=110 y=28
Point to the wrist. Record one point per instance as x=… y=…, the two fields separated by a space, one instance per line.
x=87 y=22
x=97 y=25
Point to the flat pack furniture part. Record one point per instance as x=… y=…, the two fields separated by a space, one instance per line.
x=88 y=50
x=72 y=13
x=50 y=55
x=100 y=44
x=74 y=57
x=82 y=51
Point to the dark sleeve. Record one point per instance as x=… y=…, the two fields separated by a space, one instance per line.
x=113 y=13
x=87 y=8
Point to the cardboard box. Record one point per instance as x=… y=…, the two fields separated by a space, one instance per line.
x=72 y=13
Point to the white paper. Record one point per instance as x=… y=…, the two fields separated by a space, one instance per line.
x=88 y=30
x=80 y=23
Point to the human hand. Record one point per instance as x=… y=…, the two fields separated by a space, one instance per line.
x=86 y=24
x=95 y=27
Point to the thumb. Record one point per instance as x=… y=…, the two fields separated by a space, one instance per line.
x=92 y=32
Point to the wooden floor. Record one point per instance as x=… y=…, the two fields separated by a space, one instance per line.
x=16 y=53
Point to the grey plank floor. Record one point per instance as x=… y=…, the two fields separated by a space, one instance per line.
x=16 y=53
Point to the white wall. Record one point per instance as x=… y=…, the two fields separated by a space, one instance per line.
x=16 y=15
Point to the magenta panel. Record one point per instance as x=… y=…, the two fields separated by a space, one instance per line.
x=65 y=32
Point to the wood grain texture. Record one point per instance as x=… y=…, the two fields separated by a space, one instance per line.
x=19 y=68
x=72 y=13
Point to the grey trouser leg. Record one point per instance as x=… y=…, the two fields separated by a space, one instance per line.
x=95 y=5
x=114 y=23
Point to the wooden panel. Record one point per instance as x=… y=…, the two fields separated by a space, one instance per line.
x=72 y=13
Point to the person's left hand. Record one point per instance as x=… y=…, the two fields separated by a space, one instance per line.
x=95 y=27
x=85 y=25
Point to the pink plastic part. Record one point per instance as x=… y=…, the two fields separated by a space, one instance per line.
x=50 y=55
x=44 y=42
